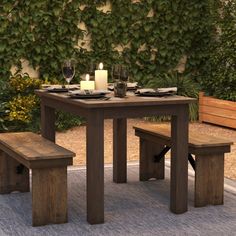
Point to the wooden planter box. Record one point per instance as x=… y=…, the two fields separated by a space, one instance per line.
x=217 y=111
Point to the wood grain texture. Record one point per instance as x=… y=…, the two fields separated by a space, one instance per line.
x=209 y=180
x=128 y=101
x=217 y=111
x=10 y=180
x=95 y=112
x=120 y=150
x=196 y=140
x=209 y=156
x=49 y=196
x=179 y=161
x=148 y=168
x=32 y=150
x=217 y=120
x=48 y=162
x=47 y=121
x=214 y=102
x=95 y=168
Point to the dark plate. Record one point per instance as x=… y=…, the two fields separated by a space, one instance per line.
x=87 y=96
x=155 y=94
x=132 y=88
x=128 y=88
x=57 y=90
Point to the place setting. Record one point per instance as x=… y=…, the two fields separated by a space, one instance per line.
x=94 y=84
x=120 y=77
x=158 y=92
x=68 y=71
x=89 y=94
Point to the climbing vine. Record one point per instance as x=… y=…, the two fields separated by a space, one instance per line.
x=218 y=78
x=150 y=36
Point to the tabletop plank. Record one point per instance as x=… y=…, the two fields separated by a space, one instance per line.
x=129 y=100
x=33 y=147
x=195 y=139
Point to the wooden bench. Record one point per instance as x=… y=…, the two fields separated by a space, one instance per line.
x=155 y=142
x=20 y=152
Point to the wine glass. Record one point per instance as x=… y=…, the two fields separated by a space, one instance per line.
x=124 y=74
x=91 y=70
x=68 y=70
x=116 y=72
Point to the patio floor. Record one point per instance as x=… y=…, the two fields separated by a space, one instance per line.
x=135 y=208
x=74 y=139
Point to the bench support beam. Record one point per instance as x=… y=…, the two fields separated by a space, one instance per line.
x=209 y=180
x=49 y=196
x=148 y=168
x=208 y=166
x=11 y=179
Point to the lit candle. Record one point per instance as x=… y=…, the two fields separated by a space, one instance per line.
x=101 y=78
x=87 y=84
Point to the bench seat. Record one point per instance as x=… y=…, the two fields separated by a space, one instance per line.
x=22 y=151
x=155 y=141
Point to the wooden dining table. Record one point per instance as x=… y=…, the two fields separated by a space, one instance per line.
x=119 y=109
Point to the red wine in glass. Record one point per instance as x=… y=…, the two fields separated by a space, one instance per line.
x=68 y=70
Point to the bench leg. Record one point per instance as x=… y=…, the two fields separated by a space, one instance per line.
x=148 y=168
x=49 y=196
x=209 y=180
x=13 y=175
x=120 y=150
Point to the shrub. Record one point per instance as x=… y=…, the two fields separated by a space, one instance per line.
x=219 y=74
x=20 y=107
x=186 y=87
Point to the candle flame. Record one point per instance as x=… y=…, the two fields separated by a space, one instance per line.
x=101 y=66
x=87 y=77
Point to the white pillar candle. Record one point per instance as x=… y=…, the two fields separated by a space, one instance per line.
x=87 y=84
x=101 y=78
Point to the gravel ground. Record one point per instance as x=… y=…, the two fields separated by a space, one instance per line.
x=74 y=139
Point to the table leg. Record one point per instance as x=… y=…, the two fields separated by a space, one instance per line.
x=179 y=161
x=120 y=150
x=47 y=122
x=95 y=168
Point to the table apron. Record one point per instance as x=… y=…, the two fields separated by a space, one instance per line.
x=73 y=109
x=142 y=111
x=116 y=112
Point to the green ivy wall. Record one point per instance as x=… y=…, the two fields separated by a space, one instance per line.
x=150 y=36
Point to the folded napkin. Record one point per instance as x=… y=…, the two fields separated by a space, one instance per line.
x=159 y=90
x=129 y=85
x=167 y=90
x=132 y=85
x=59 y=86
x=88 y=92
x=146 y=90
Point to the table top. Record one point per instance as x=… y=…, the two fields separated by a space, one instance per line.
x=129 y=100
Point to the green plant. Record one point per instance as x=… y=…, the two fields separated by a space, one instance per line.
x=66 y=121
x=218 y=75
x=4 y=97
x=19 y=107
x=150 y=36
x=186 y=87
x=3 y=112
